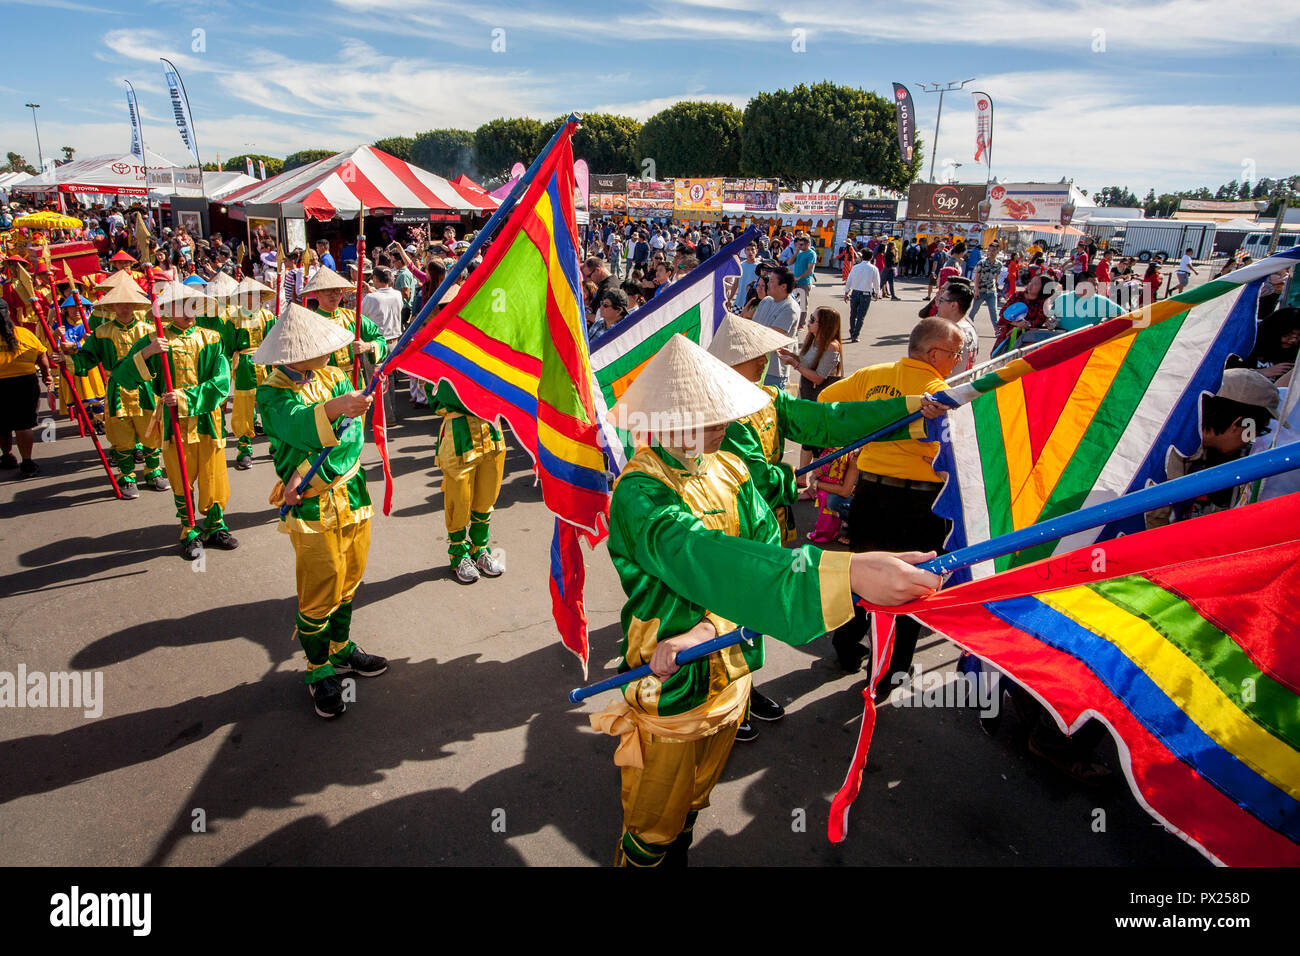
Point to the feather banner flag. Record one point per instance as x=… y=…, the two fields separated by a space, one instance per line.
x=1182 y=642
x=1090 y=427
x=513 y=345
x=695 y=306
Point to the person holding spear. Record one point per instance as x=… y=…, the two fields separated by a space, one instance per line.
x=127 y=407
x=186 y=367
x=327 y=287
x=696 y=547
x=249 y=323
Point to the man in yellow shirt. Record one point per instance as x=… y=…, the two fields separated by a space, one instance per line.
x=22 y=358
x=897 y=485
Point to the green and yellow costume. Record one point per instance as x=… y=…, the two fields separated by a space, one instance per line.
x=246 y=332
x=342 y=359
x=127 y=408
x=760 y=439
x=691 y=541
x=473 y=459
x=330 y=527
x=201 y=377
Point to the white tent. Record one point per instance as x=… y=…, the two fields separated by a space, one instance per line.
x=8 y=180
x=97 y=175
x=168 y=182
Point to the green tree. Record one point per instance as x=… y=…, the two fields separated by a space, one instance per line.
x=67 y=153
x=305 y=156
x=825 y=134
x=607 y=142
x=501 y=143
x=691 y=138
x=17 y=164
x=236 y=164
x=444 y=152
x=399 y=146
x=1115 y=196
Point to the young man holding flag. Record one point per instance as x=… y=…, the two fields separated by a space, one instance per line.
x=696 y=548
x=327 y=287
x=302 y=402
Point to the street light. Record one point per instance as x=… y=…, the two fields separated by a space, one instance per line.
x=941 y=89
x=955 y=166
x=39 y=157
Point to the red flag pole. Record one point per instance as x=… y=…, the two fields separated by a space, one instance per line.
x=84 y=417
x=167 y=387
x=356 y=319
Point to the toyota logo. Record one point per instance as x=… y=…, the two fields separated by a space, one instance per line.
x=120 y=168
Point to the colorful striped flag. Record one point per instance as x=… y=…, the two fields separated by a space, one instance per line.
x=1086 y=417
x=513 y=345
x=1182 y=640
x=695 y=306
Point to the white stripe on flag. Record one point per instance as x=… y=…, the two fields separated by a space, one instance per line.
x=970 y=482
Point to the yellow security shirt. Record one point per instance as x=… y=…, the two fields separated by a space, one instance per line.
x=908 y=376
x=22 y=360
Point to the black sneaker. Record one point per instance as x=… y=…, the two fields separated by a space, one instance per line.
x=28 y=469
x=7 y=460
x=764 y=707
x=746 y=731
x=129 y=489
x=222 y=539
x=191 y=549
x=362 y=664
x=327 y=696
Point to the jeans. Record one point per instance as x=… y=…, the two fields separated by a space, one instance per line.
x=859 y=302
x=887 y=282
x=989 y=298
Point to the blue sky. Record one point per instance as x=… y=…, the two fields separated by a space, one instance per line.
x=1169 y=93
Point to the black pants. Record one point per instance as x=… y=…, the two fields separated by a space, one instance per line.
x=885 y=518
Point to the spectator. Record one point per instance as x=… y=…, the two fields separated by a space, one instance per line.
x=778 y=311
x=611 y=311
x=1242 y=410
x=640 y=250
x=847 y=259
x=1151 y=284
x=891 y=508
x=951 y=303
x=634 y=294
x=663 y=277
x=887 y=273
x=1276 y=342
x=1035 y=296
x=862 y=286
x=748 y=273
x=595 y=269
x=22 y=360
x=819 y=363
x=1079 y=259
x=973 y=258
x=1083 y=306
x=1270 y=293
x=323 y=254
x=383 y=306
x=1103 y=274
x=1184 y=272
x=986 y=288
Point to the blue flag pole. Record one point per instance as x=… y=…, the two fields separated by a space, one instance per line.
x=1243 y=470
x=435 y=299
x=878 y=434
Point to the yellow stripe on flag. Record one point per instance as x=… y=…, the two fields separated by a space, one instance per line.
x=574 y=452
x=463 y=346
x=1183 y=681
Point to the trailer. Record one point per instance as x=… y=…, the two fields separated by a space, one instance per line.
x=1161 y=239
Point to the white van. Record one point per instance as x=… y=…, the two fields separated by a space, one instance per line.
x=1255 y=244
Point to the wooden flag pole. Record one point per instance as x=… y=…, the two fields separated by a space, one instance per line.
x=164 y=358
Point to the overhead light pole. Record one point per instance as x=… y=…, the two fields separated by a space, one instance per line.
x=39 y=157
x=940 y=88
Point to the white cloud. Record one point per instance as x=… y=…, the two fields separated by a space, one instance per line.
x=644 y=109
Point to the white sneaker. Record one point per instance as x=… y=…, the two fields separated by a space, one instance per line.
x=466 y=572
x=490 y=563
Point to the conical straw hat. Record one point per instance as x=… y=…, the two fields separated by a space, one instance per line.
x=126 y=293
x=739 y=339
x=299 y=335
x=326 y=278
x=174 y=292
x=115 y=280
x=249 y=285
x=221 y=286
x=684 y=387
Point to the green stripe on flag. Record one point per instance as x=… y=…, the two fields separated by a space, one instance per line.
x=1266 y=702
x=1126 y=393
x=688 y=323
x=993 y=463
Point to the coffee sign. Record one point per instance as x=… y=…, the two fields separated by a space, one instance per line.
x=944 y=203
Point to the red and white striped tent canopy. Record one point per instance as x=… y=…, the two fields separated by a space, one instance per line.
x=337 y=186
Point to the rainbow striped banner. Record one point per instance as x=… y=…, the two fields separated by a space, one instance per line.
x=1182 y=640
x=513 y=345
x=1088 y=417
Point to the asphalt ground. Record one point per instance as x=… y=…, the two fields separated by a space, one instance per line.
x=467 y=751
